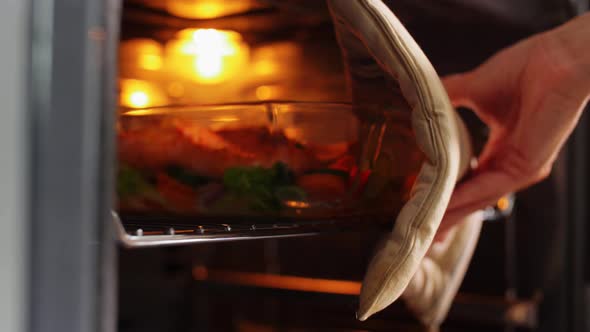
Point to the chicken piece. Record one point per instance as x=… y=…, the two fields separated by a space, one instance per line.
x=206 y=152
x=184 y=144
x=271 y=147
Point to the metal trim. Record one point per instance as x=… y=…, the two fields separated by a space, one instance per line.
x=170 y=233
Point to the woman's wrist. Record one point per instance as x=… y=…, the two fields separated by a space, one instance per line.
x=576 y=38
x=573 y=39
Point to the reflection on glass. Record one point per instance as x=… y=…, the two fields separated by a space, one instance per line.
x=264 y=92
x=203 y=9
x=175 y=89
x=278 y=59
x=207 y=56
x=140 y=94
x=141 y=53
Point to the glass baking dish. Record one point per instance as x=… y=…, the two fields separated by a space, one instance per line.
x=265 y=161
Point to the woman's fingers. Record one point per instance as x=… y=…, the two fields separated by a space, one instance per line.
x=457 y=87
x=482 y=190
x=464 y=91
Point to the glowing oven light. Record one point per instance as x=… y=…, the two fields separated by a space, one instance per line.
x=139 y=99
x=140 y=94
x=209 y=66
x=150 y=62
x=213 y=55
x=209 y=47
x=141 y=53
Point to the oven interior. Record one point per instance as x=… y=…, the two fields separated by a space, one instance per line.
x=235 y=122
x=186 y=273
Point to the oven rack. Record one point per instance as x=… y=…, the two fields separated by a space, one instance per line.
x=155 y=231
x=138 y=232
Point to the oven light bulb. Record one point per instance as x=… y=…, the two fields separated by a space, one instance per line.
x=208 y=56
x=141 y=94
x=209 y=66
x=139 y=99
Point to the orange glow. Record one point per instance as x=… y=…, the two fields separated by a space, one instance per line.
x=150 y=62
x=200 y=272
x=276 y=59
x=176 y=89
x=266 y=67
x=207 y=55
x=226 y=118
x=140 y=94
x=315 y=285
x=297 y=204
x=263 y=92
x=142 y=53
x=503 y=203
x=203 y=9
x=140 y=112
x=139 y=99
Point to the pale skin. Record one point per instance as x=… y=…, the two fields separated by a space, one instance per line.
x=531 y=96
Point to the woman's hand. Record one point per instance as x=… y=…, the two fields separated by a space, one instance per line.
x=531 y=96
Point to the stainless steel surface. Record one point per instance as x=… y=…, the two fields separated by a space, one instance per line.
x=71 y=99
x=134 y=236
x=108 y=301
x=14 y=144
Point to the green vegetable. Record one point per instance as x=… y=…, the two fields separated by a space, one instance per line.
x=254 y=184
x=263 y=189
x=131 y=182
x=243 y=180
x=256 y=178
x=182 y=175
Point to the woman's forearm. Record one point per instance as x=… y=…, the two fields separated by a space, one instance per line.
x=572 y=50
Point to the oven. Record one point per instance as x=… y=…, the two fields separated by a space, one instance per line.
x=77 y=257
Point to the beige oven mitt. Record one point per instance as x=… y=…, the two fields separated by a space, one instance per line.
x=385 y=65
x=434 y=286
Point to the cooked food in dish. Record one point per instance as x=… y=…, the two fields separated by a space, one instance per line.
x=184 y=165
x=189 y=168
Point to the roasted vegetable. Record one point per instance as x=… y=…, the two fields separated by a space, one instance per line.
x=180 y=197
x=323 y=186
x=130 y=182
x=263 y=189
x=135 y=191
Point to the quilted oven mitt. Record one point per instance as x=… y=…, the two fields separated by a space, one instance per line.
x=382 y=59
